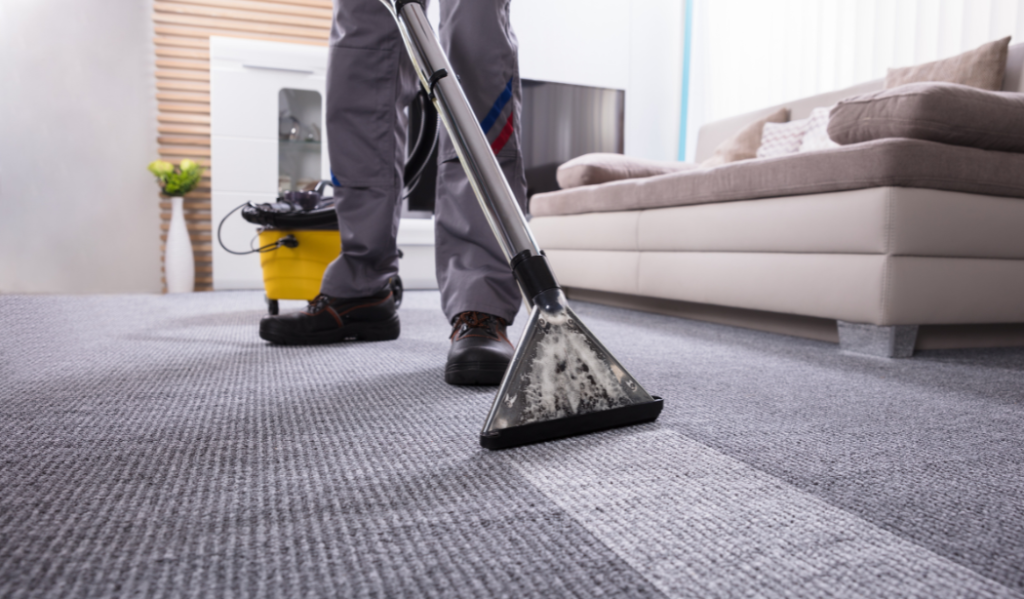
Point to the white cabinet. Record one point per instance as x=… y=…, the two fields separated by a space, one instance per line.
x=246 y=79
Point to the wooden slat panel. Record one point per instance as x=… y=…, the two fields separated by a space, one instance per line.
x=189 y=216
x=176 y=117
x=188 y=65
x=186 y=129
x=206 y=32
x=187 y=75
x=193 y=195
x=200 y=248
x=191 y=226
x=185 y=97
x=251 y=16
x=175 y=107
x=196 y=236
x=182 y=86
x=185 y=152
x=189 y=203
x=314 y=8
x=233 y=25
x=163 y=52
x=182 y=42
x=183 y=141
x=195 y=206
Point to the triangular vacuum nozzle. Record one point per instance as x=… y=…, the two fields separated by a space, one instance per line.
x=562 y=382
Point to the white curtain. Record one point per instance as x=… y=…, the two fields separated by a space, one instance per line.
x=748 y=54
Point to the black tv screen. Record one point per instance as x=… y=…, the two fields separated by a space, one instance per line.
x=559 y=122
x=562 y=121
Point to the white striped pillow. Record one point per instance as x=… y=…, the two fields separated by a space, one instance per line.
x=817 y=137
x=779 y=139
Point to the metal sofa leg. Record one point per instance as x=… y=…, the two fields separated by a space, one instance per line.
x=884 y=341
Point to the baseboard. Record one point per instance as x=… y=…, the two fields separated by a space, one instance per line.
x=933 y=336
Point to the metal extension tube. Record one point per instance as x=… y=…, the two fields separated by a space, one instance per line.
x=484 y=172
x=561 y=380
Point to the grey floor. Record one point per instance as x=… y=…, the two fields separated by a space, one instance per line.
x=154 y=446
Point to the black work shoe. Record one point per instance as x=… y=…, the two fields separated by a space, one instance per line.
x=330 y=319
x=480 y=351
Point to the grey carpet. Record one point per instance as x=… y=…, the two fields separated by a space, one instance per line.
x=153 y=446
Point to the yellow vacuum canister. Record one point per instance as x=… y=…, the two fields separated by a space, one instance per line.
x=294 y=273
x=298 y=238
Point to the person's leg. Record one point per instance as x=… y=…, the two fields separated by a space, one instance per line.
x=472 y=272
x=478 y=293
x=369 y=83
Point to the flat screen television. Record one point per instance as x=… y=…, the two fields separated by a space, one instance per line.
x=562 y=121
x=559 y=122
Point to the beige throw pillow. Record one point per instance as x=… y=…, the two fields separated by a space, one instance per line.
x=592 y=169
x=983 y=67
x=744 y=145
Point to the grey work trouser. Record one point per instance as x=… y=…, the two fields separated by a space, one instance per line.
x=370 y=81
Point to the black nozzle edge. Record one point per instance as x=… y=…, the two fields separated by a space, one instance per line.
x=401 y=3
x=568 y=426
x=533 y=273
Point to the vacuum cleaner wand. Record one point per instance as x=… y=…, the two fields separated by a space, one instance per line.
x=561 y=380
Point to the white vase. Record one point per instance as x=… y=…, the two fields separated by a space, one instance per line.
x=179 y=263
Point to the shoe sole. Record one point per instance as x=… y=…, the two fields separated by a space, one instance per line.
x=385 y=330
x=475 y=373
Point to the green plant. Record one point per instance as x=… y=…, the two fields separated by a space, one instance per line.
x=176 y=180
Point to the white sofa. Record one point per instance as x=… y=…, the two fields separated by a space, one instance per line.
x=898 y=265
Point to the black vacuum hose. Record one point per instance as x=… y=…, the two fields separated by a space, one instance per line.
x=424 y=119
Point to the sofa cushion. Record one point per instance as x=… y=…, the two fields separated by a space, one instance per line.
x=984 y=67
x=898 y=221
x=744 y=145
x=611 y=231
x=595 y=168
x=866 y=288
x=943 y=112
x=879 y=163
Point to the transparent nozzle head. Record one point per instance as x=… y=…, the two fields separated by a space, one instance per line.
x=560 y=370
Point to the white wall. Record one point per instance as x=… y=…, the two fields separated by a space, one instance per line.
x=748 y=54
x=655 y=78
x=79 y=212
x=634 y=45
